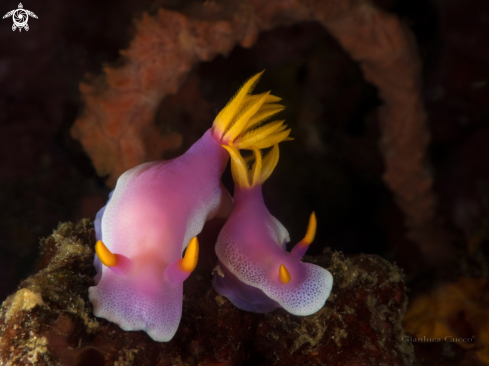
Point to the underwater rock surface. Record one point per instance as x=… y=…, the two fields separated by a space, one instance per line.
x=49 y=320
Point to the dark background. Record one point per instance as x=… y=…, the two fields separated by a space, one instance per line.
x=333 y=167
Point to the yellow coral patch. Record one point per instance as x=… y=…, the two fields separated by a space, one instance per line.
x=431 y=315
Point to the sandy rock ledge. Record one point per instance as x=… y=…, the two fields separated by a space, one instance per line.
x=49 y=320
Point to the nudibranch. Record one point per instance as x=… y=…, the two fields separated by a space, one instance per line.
x=158 y=208
x=256 y=273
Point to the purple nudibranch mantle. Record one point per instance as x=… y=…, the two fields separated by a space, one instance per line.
x=157 y=209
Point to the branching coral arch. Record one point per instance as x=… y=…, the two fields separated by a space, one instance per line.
x=117 y=126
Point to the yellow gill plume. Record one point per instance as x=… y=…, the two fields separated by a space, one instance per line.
x=260 y=170
x=241 y=122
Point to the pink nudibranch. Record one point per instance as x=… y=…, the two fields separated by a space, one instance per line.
x=157 y=208
x=256 y=273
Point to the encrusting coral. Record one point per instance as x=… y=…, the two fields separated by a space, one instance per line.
x=116 y=127
x=55 y=326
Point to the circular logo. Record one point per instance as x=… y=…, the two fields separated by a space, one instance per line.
x=20 y=18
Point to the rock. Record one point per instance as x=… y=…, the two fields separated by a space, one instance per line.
x=49 y=320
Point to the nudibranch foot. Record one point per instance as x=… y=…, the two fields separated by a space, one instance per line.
x=241 y=295
x=134 y=308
